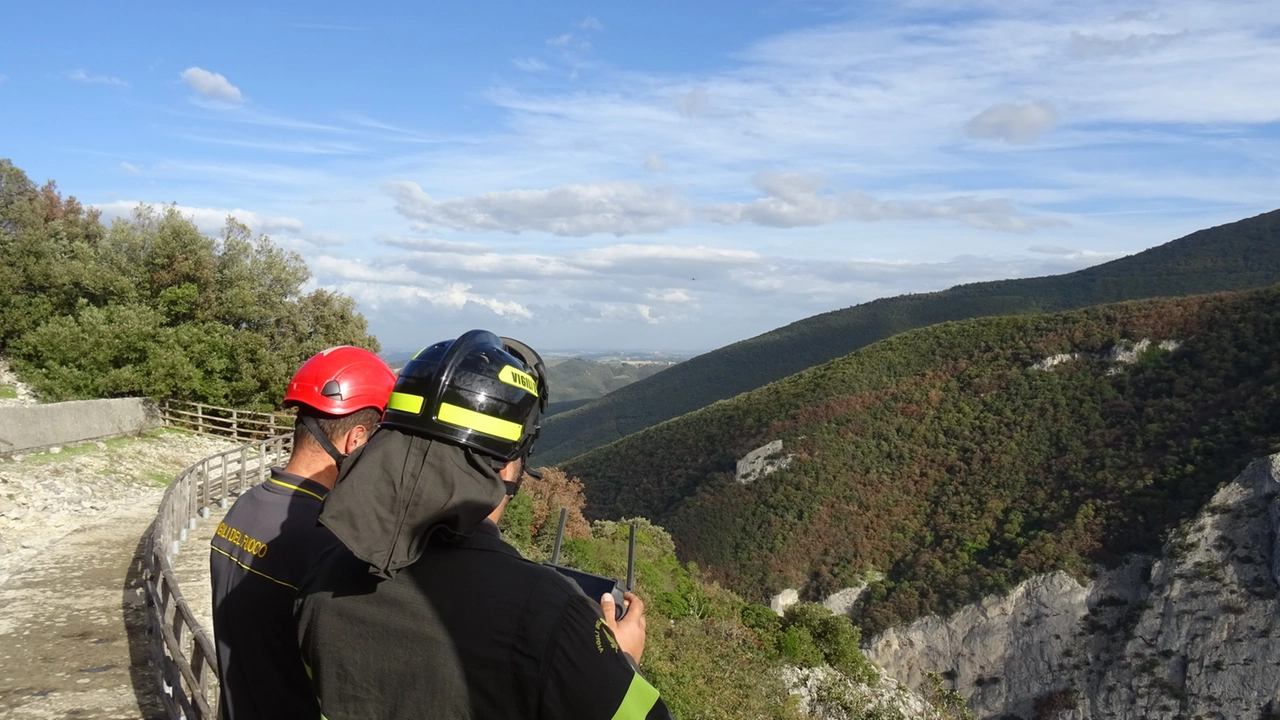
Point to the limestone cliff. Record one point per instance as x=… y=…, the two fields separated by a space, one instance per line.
x=1194 y=633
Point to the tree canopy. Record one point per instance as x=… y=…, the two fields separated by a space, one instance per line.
x=151 y=306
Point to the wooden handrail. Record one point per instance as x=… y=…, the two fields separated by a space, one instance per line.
x=183 y=655
x=225 y=422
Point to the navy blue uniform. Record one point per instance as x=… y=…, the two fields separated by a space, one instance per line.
x=257 y=559
x=471 y=631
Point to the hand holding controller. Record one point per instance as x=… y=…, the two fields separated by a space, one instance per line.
x=630 y=631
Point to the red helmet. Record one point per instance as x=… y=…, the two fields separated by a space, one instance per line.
x=340 y=381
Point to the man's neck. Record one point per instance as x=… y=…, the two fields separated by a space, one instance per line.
x=317 y=467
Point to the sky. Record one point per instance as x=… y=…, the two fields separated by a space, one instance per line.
x=660 y=175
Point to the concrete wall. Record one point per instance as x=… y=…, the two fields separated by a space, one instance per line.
x=41 y=426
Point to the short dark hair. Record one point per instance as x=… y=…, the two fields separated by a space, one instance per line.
x=335 y=426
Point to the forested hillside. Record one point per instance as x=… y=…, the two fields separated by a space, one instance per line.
x=150 y=306
x=1240 y=255
x=945 y=459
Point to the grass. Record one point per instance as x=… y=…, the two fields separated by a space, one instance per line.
x=158 y=478
x=91 y=446
x=8 y=392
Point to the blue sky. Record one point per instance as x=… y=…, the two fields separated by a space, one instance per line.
x=655 y=175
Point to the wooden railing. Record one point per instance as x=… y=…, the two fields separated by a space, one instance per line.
x=226 y=422
x=183 y=657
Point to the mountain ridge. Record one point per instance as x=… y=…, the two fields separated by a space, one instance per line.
x=1234 y=256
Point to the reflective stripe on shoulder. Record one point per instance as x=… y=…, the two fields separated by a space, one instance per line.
x=640 y=699
x=296 y=488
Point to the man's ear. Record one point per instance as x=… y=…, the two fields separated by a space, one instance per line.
x=355 y=437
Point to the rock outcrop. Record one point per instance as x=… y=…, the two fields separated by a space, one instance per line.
x=762 y=461
x=822 y=694
x=783 y=600
x=1193 y=633
x=1124 y=352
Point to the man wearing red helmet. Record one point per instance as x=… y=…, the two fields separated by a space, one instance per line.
x=270 y=537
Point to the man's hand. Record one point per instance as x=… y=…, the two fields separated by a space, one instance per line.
x=629 y=632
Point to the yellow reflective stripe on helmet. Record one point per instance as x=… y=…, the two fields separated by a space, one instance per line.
x=472 y=420
x=520 y=379
x=404 y=402
x=640 y=699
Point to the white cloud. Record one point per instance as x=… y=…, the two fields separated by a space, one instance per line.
x=436 y=245
x=1017 y=124
x=1091 y=46
x=679 y=296
x=796 y=200
x=619 y=208
x=633 y=286
x=128 y=167
x=210 y=221
x=530 y=64
x=560 y=40
x=211 y=84
x=387 y=284
x=591 y=23
x=692 y=102
x=654 y=163
x=1051 y=250
x=84 y=77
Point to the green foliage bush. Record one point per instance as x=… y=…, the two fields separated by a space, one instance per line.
x=150 y=306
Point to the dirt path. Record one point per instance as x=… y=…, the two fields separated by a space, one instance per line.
x=72 y=630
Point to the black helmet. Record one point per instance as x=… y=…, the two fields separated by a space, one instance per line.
x=481 y=391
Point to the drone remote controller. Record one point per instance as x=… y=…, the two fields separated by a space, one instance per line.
x=596 y=586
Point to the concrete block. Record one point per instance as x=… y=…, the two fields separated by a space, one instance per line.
x=32 y=427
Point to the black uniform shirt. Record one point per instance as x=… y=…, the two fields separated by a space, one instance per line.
x=469 y=631
x=257 y=559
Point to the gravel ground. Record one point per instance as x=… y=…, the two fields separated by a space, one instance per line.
x=72 y=632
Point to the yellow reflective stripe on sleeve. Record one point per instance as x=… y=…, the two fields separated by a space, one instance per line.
x=472 y=420
x=299 y=489
x=520 y=379
x=404 y=402
x=640 y=699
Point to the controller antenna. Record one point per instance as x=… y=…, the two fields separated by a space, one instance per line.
x=631 y=560
x=555 y=554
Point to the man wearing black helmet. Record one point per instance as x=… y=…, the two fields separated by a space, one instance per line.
x=423 y=610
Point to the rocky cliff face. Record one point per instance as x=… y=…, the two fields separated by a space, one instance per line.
x=1194 y=633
